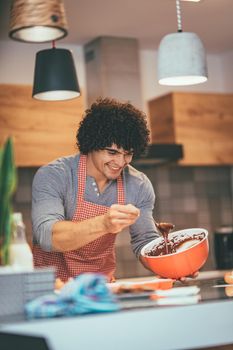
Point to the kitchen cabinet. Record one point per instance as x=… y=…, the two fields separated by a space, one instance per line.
x=201 y=122
x=41 y=130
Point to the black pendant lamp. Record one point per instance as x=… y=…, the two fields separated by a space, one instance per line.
x=55 y=75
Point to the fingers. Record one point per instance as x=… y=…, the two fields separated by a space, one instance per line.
x=182 y=279
x=121 y=216
x=125 y=213
x=128 y=209
x=194 y=275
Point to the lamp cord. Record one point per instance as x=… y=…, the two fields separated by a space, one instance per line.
x=178 y=13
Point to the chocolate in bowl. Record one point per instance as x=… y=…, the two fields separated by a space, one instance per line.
x=185 y=261
x=176 y=243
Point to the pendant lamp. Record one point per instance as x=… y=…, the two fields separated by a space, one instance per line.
x=37 y=21
x=55 y=75
x=181 y=57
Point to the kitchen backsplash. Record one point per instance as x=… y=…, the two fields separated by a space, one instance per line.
x=185 y=196
x=188 y=197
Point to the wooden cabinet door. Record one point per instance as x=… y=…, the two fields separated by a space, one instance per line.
x=41 y=130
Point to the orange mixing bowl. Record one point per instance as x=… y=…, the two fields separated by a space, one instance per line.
x=179 y=264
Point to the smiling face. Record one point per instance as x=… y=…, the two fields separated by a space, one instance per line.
x=107 y=164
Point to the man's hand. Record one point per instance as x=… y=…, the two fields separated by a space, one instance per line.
x=184 y=279
x=120 y=216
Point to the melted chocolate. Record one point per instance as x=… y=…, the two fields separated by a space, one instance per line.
x=173 y=244
x=165 y=228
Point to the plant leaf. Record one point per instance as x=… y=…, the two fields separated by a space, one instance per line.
x=8 y=183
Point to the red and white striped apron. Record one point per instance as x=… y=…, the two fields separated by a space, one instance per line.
x=96 y=256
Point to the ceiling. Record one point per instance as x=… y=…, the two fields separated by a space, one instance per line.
x=147 y=20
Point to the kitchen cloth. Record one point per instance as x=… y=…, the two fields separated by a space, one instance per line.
x=86 y=293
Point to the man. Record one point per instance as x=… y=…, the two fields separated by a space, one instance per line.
x=81 y=202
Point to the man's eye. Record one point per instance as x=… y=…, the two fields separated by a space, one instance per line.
x=112 y=152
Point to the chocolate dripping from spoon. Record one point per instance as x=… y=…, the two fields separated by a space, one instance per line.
x=164 y=228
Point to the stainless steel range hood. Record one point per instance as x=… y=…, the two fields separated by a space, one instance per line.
x=160 y=153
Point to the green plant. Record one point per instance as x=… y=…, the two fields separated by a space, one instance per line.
x=8 y=183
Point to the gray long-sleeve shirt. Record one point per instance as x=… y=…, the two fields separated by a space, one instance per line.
x=54 y=193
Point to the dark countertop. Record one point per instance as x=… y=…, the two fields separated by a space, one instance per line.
x=211 y=283
x=209 y=322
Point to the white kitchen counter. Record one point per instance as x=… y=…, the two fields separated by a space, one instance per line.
x=179 y=327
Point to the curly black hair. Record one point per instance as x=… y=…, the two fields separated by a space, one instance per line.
x=108 y=122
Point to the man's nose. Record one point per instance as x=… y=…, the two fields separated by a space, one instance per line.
x=121 y=160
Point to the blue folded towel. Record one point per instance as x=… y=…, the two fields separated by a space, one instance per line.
x=87 y=293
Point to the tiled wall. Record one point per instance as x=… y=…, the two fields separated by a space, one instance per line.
x=185 y=196
x=188 y=197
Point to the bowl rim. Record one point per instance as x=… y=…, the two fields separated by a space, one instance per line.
x=176 y=253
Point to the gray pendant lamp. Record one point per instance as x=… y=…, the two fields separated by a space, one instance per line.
x=55 y=75
x=181 y=57
x=37 y=21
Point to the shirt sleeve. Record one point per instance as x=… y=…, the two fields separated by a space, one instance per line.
x=47 y=204
x=143 y=230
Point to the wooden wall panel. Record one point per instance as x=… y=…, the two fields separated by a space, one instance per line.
x=202 y=122
x=42 y=130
